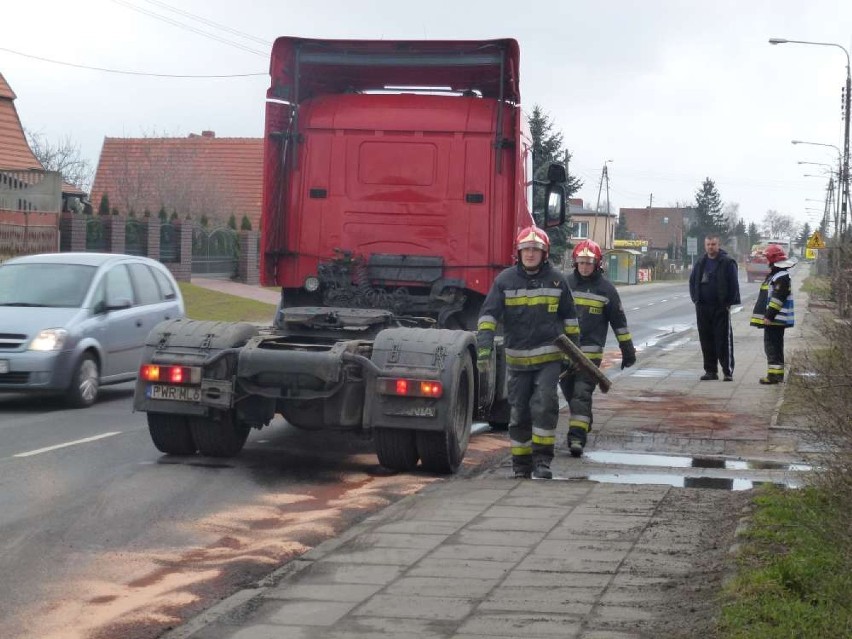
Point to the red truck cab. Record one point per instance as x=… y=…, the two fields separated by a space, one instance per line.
x=396 y=174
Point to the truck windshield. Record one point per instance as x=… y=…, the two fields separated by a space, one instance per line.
x=57 y=285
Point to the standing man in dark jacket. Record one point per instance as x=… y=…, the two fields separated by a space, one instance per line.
x=534 y=302
x=599 y=308
x=714 y=289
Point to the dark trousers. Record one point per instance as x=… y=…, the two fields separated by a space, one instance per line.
x=577 y=387
x=773 y=346
x=717 y=339
x=535 y=409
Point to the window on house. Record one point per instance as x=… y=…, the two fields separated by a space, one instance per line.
x=580 y=230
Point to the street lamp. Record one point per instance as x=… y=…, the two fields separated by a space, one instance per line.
x=840 y=185
x=844 y=172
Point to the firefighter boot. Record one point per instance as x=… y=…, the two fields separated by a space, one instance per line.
x=542 y=471
x=576 y=441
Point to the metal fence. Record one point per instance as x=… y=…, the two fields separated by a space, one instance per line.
x=215 y=252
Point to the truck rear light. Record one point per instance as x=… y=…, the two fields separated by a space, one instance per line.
x=170 y=374
x=404 y=387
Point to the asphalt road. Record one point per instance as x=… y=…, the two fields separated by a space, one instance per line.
x=101 y=535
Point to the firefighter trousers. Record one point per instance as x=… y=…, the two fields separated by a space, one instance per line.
x=535 y=410
x=716 y=337
x=773 y=346
x=577 y=387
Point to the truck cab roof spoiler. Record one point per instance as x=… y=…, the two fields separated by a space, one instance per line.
x=303 y=68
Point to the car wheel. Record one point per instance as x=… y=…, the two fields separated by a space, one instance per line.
x=85 y=383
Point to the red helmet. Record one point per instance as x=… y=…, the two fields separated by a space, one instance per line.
x=588 y=248
x=774 y=253
x=533 y=237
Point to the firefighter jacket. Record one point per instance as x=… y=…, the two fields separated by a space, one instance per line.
x=534 y=309
x=775 y=300
x=599 y=307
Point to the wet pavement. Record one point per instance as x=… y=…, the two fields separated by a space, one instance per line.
x=595 y=554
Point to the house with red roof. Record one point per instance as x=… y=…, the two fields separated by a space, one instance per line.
x=193 y=176
x=24 y=183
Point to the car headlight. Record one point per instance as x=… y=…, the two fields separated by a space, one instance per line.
x=311 y=284
x=50 y=339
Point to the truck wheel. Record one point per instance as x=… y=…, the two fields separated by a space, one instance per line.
x=85 y=383
x=223 y=437
x=443 y=451
x=396 y=448
x=171 y=434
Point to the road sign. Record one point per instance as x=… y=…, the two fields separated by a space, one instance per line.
x=692 y=246
x=815 y=241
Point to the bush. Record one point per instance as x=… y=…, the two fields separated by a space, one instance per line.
x=245 y=224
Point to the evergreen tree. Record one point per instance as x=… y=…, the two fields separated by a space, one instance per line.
x=146 y=212
x=709 y=219
x=103 y=207
x=205 y=221
x=753 y=235
x=621 y=232
x=245 y=223
x=163 y=215
x=174 y=216
x=232 y=222
x=547 y=147
x=805 y=234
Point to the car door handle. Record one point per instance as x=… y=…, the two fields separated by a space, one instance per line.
x=138 y=323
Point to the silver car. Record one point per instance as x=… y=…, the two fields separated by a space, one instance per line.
x=71 y=322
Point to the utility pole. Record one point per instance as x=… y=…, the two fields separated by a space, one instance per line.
x=651 y=201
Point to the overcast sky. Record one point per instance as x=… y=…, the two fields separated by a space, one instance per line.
x=672 y=91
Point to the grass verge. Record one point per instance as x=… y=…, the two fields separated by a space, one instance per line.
x=204 y=304
x=792 y=580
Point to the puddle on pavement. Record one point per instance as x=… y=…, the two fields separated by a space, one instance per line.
x=681 y=461
x=679 y=481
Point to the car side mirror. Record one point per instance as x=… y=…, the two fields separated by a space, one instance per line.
x=556 y=173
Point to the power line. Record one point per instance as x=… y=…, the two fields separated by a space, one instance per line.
x=216 y=25
x=142 y=73
x=187 y=27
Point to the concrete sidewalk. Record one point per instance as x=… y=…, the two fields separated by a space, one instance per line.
x=630 y=555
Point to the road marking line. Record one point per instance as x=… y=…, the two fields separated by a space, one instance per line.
x=66 y=444
x=635 y=309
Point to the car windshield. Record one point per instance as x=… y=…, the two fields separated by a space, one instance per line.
x=57 y=285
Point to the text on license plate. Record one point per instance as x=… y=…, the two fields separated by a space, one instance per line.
x=174 y=393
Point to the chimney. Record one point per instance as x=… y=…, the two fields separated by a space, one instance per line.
x=208 y=134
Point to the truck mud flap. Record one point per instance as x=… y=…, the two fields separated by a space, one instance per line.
x=415 y=353
x=184 y=342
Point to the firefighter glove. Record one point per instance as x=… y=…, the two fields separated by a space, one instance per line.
x=628 y=357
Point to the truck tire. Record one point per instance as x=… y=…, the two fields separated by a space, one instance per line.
x=396 y=448
x=223 y=437
x=443 y=451
x=171 y=434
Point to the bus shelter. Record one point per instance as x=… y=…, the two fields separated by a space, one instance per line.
x=622 y=265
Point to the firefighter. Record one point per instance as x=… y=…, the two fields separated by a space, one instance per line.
x=534 y=303
x=599 y=307
x=773 y=312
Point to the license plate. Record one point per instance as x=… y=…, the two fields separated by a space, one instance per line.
x=4 y=366
x=174 y=393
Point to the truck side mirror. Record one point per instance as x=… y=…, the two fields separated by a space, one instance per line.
x=556 y=173
x=554 y=209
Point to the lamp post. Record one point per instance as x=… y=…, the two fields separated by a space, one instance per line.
x=840 y=184
x=844 y=172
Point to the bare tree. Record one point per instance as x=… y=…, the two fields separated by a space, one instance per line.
x=778 y=225
x=64 y=157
